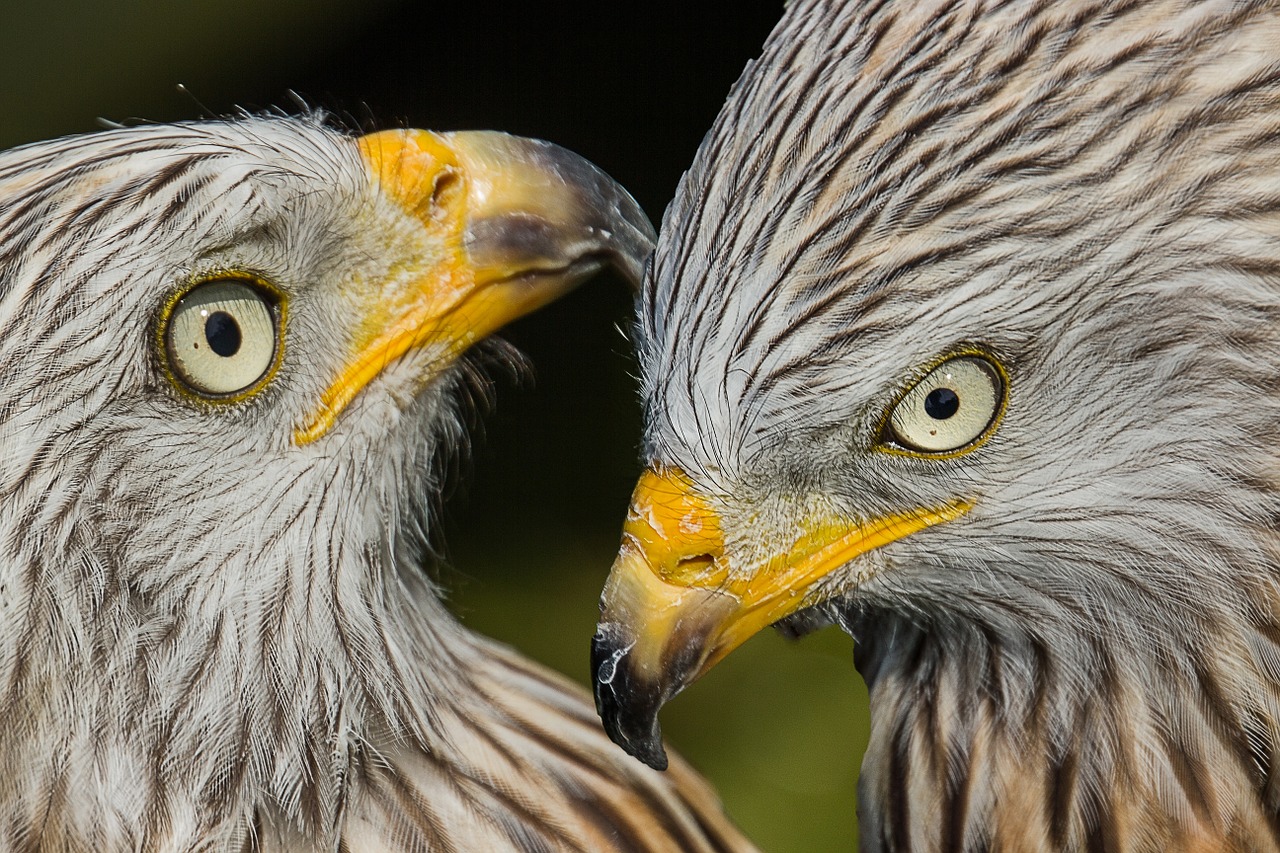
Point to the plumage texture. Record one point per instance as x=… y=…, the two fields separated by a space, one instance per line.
x=1090 y=191
x=214 y=639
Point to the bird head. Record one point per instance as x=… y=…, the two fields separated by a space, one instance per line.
x=968 y=319
x=232 y=353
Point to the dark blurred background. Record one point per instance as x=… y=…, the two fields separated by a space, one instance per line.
x=531 y=528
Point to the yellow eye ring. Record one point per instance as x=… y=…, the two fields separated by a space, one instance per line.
x=220 y=339
x=952 y=409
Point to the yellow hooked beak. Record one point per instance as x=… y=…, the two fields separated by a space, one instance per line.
x=675 y=604
x=509 y=224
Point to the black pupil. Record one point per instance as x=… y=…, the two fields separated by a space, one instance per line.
x=941 y=403
x=223 y=333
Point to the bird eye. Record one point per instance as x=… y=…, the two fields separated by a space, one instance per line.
x=955 y=405
x=222 y=337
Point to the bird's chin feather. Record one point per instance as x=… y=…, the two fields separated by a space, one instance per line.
x=802 y=623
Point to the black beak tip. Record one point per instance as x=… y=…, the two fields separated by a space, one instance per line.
x=628 y=708
x=619 y=227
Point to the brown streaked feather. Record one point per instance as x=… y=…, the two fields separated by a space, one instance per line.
x=211 y=640
x=1089 y=190
x=529 y=761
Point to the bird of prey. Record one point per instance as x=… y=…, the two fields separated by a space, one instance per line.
x=232 y=367
x=963 y=332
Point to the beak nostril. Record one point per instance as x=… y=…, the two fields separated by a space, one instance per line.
x=691 y=565
x=701 y=570
x=444 y=191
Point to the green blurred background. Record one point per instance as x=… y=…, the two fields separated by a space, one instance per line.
x=533 y=521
